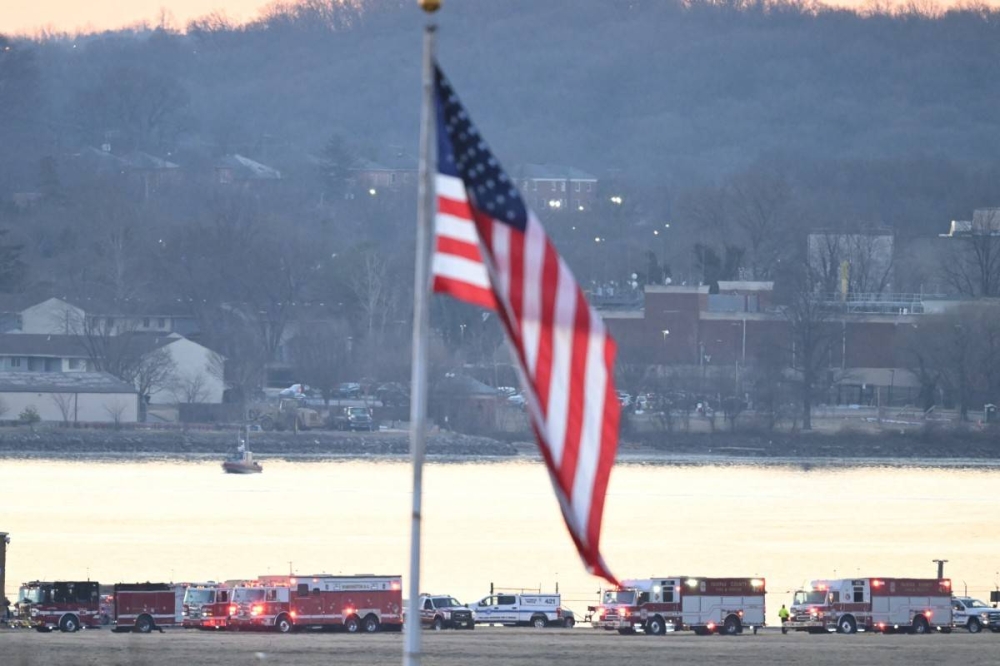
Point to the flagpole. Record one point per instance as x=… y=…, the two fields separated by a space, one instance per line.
x=418 y=378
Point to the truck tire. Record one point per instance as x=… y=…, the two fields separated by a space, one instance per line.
x=438 y=624
x=267 y=424
x=352 y=624
x=69 y=624
x=283 y=624
x=847 y=625
x=920 y=625
x=371 y=624
x=732 y=626
x=655 y=626
x=539 y=622
x=143 y=624
x=974 y=626
x=569 y=623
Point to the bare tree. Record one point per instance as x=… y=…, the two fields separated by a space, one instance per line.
x=190 y=389
x=371 y=286
x=116 y=410
x=321 y=356
x=64 y=402
x=116 y=347
x=4 y=408
x=760 y=204
x=811 y=338
x=863 y=259
x=973 y=265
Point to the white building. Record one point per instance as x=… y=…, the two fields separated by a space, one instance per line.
x=78 y=397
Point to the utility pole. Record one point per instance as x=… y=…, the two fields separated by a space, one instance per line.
x=4 y=540
x=940 y=564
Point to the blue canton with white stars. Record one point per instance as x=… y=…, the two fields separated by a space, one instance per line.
x=463 y=152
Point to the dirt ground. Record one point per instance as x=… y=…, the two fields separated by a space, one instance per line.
x=485 y=646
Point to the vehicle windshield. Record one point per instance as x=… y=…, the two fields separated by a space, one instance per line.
x=613 y=597
x=810 y=597
x=248 y=594
x=445 y=602
x=357 y=411
x=199 y=596
x=30 y=595
x=975 y=603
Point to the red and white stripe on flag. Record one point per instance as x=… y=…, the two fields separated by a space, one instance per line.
x=565 y=356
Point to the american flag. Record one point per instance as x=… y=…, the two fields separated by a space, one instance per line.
x=490 y=250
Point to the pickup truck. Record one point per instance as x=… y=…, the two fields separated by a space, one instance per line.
x=974 y=615
x=439 y=611
x=352 y=418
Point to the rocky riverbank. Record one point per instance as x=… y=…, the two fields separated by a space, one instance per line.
x=981 y=446
x=59 y=442
x=933 y=445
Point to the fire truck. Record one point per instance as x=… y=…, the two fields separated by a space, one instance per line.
x=66 y=605
x=703 y=605
x=143 y=607
x=914 y=605
x=206 y=605
x=361 y=603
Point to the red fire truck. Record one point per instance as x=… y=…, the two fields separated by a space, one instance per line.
x=66 y=605
x=358 y=603
x=260 y=604
x=206 y=605
x=143 y=607
x=914 y=605
x=703 y=605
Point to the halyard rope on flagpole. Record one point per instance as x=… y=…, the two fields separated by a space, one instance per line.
x=421 y=296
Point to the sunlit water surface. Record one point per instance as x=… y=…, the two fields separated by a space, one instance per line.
x=494 y=522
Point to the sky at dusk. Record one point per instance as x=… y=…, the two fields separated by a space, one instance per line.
x=30 y=16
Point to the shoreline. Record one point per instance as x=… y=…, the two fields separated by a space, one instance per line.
x=649 y=459
x=803 y=450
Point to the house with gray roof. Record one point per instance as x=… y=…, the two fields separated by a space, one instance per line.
x=239 y=169
x=81 y=397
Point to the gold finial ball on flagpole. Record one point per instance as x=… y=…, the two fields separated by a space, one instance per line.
x=429 y=6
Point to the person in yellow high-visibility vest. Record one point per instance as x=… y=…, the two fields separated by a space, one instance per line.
x=783 y=614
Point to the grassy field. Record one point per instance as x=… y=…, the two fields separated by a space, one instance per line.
x=485 y=646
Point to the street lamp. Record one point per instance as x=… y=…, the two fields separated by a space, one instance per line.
x=372 y=191
x=665 y=334
x=616 y=200
x=555 y=203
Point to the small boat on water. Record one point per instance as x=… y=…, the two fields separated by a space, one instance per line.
x=242 y=462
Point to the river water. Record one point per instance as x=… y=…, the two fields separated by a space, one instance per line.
x=496 y=522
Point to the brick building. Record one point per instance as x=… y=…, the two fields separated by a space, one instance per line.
x=684 y=328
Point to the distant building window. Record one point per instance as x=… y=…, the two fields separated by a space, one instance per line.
x=145 y=322
x=534 y=186
x=15 y=362
x=161 y=322
x=555 y=186
x=577 y=186
x=75 y=364
x=392 y=178
x=109 y=322
x=562 y=186
x=589 y=187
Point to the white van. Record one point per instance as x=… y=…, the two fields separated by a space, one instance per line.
x=525 y=610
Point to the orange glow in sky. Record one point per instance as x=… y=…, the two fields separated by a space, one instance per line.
x=31 y=16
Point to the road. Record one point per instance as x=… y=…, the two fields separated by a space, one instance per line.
x=486 y=646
